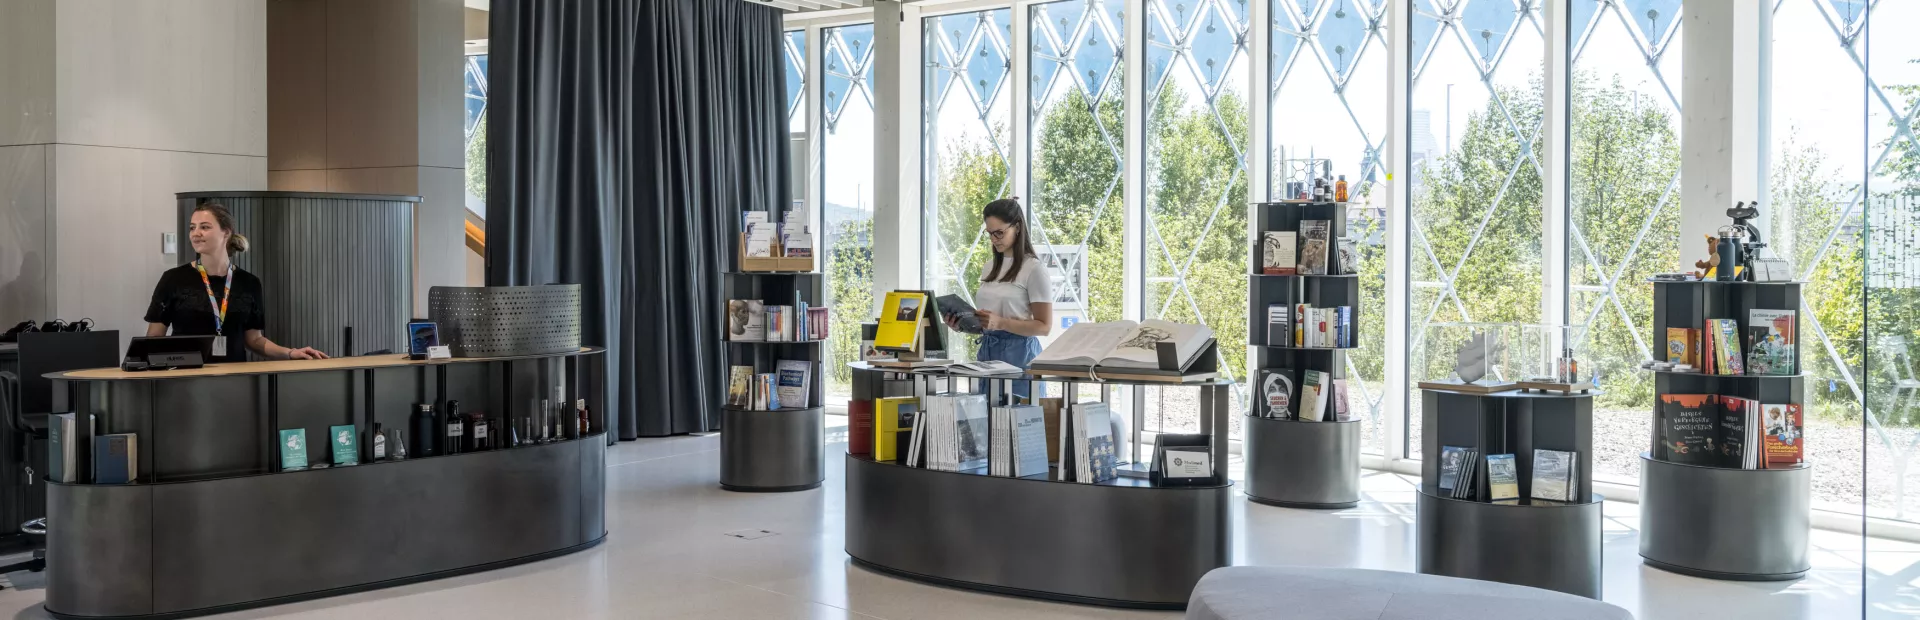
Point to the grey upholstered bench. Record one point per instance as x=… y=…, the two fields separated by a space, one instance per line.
x=1314 y=593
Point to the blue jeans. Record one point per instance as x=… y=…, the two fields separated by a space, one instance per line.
x=1013 y=349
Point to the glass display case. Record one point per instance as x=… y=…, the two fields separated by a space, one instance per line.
x=1499 y=353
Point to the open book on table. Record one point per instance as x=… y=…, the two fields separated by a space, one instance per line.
x=1124 y=344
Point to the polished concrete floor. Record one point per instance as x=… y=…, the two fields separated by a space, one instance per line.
x=668 y=556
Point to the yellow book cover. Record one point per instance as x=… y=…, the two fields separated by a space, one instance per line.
x=892 y=418
x=900 y=321
x=1679 y=345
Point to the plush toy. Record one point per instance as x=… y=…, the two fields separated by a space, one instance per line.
x=1712 y=261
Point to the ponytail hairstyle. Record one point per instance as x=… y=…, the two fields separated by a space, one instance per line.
x=1008 y=210
x=236 y=242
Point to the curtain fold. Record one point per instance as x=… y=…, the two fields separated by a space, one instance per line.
x=623 y=140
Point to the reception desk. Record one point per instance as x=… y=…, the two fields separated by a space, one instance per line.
x=213 y=523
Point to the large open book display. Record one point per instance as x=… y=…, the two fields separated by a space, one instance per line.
x=1158 y=351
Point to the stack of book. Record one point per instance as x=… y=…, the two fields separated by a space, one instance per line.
x=1088 y=453
x=768 y=391
x=1729 y=431
x=1304 y=326
x=1457 y=469
x=1556 y=477
x=952 y=433
x=1019 y=441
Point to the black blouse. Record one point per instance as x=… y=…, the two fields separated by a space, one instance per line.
x=180 y=302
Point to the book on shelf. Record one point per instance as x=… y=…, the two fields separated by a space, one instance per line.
x=776 y=323
x=1726 y=346
x=1093 y=442
x=1316 y=389
x=1503 y=479
x=116 y=458
x=1276 y=394
x=1770 y=342
x=1349 y=257
x=1279 y=325
x=1029 y=440
x=893 y=422
x=969 y=436
x=1123 y=344
x=800 y=324
x=860 y=427
x=1464 y=487
x=1554 y=477
x=1340 y=411
x=1316 y=239
x=64 y=447
x=1000 y=436
x=1277 y=248
x=796 y=377
x=740 y=387
x=1784 y=442
x=746 y=320
x=1052 y=421
x=346 y=445
x=1679 y=345
x=912 y=451
x=293 y=448
x=819 y=323
x=1686 y=429
x=1451 y=461
x=868 y=351
x=796 y=240
x=900 y=321
x=1739 y=433
x=766 y=391
x=1300 y=324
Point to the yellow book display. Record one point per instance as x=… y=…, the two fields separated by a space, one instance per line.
x=892 y=423
x=900 y=321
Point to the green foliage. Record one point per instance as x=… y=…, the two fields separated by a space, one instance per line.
x=1624 y=156
x=1197 y=207
x=477 y=160
x=850 y=294
x=970 y=174
x=1807 y=203
x=1078 y=198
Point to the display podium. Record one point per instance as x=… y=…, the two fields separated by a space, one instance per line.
x=1289 y=462
x=1707 y=520
x=1125 y=542
x=1550 y=545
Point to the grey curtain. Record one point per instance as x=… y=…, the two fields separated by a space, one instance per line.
x=623 y=139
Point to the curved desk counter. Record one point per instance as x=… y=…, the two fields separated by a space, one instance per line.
x=212 y=523
x=1124 y=542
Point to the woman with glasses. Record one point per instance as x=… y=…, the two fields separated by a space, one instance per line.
x=1015 y=300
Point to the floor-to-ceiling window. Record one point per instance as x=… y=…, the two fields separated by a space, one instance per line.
x=1076 y=158
x=1195 y=203
x=1623 y=205
x=1328 y=91
x=846 y=194
x=966 y=139
x=476 y=134
x=794 y=48
x=1476 y=193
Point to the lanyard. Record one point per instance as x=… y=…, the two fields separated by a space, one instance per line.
x=226 y=290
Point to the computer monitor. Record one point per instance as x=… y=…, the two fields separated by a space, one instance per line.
x=167 y=353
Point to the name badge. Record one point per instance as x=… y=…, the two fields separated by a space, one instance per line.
x=219 y=346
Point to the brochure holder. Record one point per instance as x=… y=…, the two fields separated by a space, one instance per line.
x=1157 y=474
x=778 y=262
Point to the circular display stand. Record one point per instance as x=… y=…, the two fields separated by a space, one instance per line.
x=1296 y=464
x=1723 y=523
x=772 y=451
x=1554 y=547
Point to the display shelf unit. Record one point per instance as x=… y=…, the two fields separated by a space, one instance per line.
x=1702 y=518
x=1289 y=462
x=782 y=449
x=1038 y=537
x=1549 y=545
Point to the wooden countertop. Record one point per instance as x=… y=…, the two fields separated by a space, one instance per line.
x=288 y=366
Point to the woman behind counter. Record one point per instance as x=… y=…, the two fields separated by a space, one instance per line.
x=211 y=297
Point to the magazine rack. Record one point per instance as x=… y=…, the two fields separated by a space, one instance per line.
x=1475 y=538
x=783 y=449
x=1031 y=536
x=1205 y=366
x=1720 y=522
x=776 y=263
x=1290 y=462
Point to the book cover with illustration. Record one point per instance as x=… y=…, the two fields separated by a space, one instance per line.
x=1316 y=239
x=1503 y=479
x=1784 y=443
x=1276 y=394
x=746 y=320
x=1277 y=249
x=740 y=387
x=1679 y=345
x=1687 y=429
x=1735 y=416
x=1770 y=342
x=346 y=445
x=1726 y=344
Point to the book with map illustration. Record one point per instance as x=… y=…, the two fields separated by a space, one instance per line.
x=1123 y=345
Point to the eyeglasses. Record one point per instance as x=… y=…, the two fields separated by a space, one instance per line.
x=1002 y=233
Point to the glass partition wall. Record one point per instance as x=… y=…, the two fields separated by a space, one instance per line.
x=1136 y=180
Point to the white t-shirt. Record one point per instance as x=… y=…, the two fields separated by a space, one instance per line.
x=1010 y=299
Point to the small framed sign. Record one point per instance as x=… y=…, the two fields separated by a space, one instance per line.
x=422 y=336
